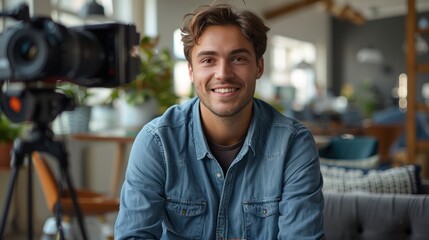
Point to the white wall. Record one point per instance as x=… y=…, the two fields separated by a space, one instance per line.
x=123 y=8
x=312 y=25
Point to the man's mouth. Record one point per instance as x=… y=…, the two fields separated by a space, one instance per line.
x=224 y=90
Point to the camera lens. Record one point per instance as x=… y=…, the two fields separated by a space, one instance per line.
x=29 y=53
x=88 y=55
x=83 y=55
x=27 y=50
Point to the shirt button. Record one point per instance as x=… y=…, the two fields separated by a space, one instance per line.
x=264 y=211
x=219 y=175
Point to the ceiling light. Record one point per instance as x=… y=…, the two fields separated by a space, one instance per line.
x=91 y=8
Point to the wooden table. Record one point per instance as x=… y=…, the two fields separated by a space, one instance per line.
x=121 y=137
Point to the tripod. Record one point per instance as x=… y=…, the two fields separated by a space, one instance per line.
x=41 y=138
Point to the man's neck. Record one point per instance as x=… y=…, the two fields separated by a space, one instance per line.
x=226 y=131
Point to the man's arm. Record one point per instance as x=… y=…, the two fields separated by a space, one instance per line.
x=302 y=204
x=142 y=197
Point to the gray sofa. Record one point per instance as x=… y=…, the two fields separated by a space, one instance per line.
x=372 y=216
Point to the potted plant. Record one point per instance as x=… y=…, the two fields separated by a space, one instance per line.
x=78 y=119
x=153 y=87
x=9 y=131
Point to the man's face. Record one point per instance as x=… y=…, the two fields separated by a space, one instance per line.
x=224 y=70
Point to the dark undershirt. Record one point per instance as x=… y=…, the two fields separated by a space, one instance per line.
x=225 y=154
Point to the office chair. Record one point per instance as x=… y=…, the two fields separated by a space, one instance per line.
x=386 y=134
x=91 y=203
x=351 y=151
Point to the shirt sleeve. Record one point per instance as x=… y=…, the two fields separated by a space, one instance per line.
x=142 y=197
x=302 y=203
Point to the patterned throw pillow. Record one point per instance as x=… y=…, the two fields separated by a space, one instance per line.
x=404 y=179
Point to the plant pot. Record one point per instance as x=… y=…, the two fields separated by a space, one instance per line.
x=134 y=117
x=5 y=148
x=78 y=119
x=73 y=121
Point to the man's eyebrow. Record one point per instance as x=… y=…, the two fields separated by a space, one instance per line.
x=213 y=53
x=206 y=53
x=241 y=50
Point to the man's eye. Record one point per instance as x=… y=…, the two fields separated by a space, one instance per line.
x=206 y=60
x=238 y=59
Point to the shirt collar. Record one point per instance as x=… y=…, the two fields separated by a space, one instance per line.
x=201 y=145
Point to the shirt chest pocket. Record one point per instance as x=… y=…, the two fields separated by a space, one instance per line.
x=185 y=218
x=261 y=218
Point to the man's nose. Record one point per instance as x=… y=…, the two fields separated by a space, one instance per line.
x=224 y=70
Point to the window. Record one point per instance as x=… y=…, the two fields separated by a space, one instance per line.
x=292 y=69
x=182 y=82
x=67 y=12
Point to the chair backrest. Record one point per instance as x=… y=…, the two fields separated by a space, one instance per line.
x=355 y=147
x=386 y=134
x=47 y=180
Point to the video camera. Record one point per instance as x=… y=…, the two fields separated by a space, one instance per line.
x=38 y=52
x=38 y=49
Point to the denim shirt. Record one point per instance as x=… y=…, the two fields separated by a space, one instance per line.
x=175 y=189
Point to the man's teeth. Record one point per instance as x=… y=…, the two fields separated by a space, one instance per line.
x=224 y=90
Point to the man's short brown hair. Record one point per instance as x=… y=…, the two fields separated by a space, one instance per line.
x=220 y=13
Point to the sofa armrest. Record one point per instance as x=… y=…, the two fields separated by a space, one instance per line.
x=376 y=216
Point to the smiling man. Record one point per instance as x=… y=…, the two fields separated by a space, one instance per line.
x=223 y=165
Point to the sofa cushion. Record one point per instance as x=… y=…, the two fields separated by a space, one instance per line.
x=376 y=216
x=404 y=179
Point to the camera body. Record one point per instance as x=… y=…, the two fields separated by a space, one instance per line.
x=99 y=55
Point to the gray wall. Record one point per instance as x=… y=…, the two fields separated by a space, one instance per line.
x=388 y=35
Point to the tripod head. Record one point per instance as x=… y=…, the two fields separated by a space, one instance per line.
x=38 y=104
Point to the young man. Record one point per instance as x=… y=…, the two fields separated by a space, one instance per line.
x=223 y=165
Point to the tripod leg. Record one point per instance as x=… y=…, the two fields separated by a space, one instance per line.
x=30 y=201
x=9 y=193
x=75 y=203
x=58 y=219
x=17 y=161
x=60 y=192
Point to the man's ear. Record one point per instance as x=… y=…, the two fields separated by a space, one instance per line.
x=260 y=66
x=190 y=72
